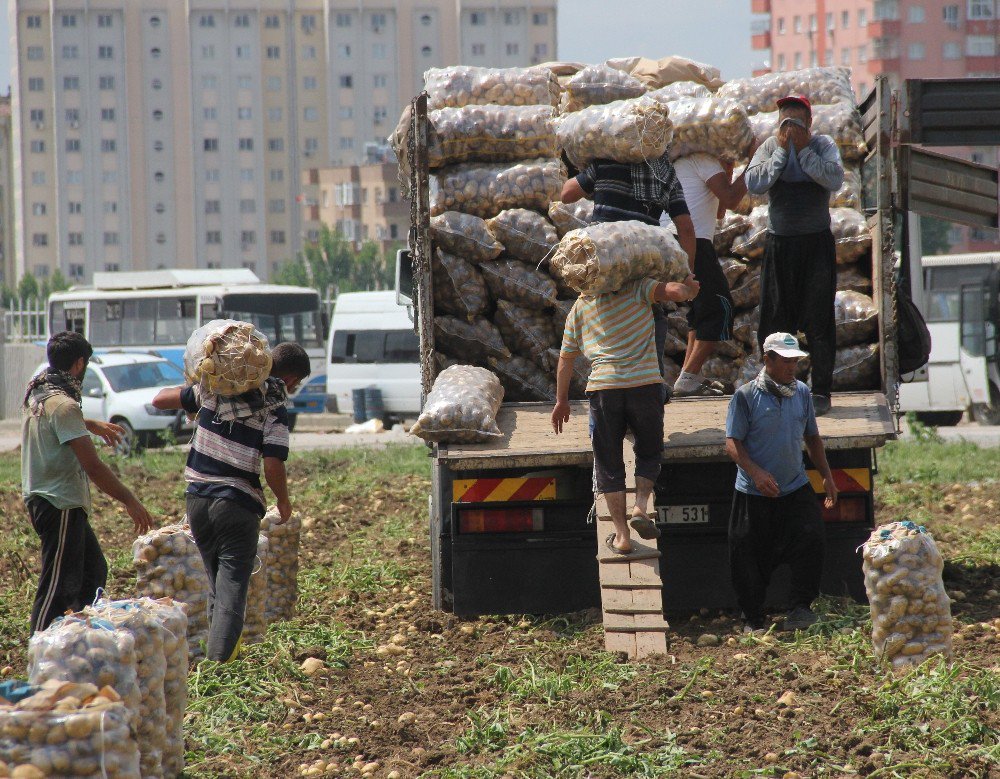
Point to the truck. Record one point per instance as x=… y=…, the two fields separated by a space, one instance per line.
x=511 y=522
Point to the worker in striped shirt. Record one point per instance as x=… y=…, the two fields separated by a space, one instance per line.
x=615 y=332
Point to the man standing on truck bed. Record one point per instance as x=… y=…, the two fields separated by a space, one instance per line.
x=615 y=332
x=640 y=191
x=798 y=279
x=775 y=517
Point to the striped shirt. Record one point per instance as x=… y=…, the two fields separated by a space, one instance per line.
x=615 y=332
x=225 y=457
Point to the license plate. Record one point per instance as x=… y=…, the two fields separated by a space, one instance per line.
x=683 y=515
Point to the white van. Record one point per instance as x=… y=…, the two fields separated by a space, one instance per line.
x=372 y=344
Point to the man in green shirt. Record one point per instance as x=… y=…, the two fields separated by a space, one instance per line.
x=58 y=462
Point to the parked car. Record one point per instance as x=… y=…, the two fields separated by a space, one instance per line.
x=119 y=387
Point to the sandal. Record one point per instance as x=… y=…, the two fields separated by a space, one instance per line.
x=645 y=527
x=610 y=543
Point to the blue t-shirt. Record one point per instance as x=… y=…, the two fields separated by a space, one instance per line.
x=771 y=429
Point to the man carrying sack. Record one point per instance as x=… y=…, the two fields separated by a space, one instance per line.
x=225 y=499
x=799 y=171
x=776 y=517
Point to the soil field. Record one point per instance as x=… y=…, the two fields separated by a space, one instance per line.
x=405 y=691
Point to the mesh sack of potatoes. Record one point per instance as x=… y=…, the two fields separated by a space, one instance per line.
x=477 y=340
x=491 y=133
x=674 y=344
x=169 y=565
x=459 y=288
x=678 y=90
x=464 y=85
x=734 y=270
x=747 y=294
x=148 y=632
x=465 y=235
x=857 y=318
x=745 y=326
x=849 y=194
x=487 y=189
x=606 y=256
x=227 y=357
x=624 y=131
x=461 y=407
x=728 y=229
x=751 y=243
x=255 y=615
x=852 y=277
x=282 y=563
x=519 y=283
x=581 y=374
x=523 y=381
x=709 y=125
x=761 y=94
x=750 y=368
x=911 y=612
x=678 y=323
x=561 y=68
x=600 y=84
x=851 y=233
x=732 y=349
x=856 y=368
x=68 y=730
x=560 y=313
x=527 y=332
x=841 y=121
x=526 y=235
x=570 y=216
x=725 y=370
x=175 y=649
x=79 y=648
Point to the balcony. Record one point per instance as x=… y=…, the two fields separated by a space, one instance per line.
x=884 y=28
x=760 y=40
x=760 y=6
x=885 y=56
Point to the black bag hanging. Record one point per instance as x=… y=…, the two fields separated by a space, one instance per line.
x=912 y=336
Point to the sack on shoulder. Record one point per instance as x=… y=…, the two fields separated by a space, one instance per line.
x=912 y=335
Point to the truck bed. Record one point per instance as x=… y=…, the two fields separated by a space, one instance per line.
x=694 y=429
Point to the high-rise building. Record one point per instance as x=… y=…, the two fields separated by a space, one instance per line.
x=899 y=38
x=6 y=194
x=150 y=134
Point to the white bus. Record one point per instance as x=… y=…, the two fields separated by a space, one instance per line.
x=962 y=309
x=156 y=311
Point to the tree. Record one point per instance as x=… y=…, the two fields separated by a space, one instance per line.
x=331 y=265
x=27 y=288
x=59 y=282
x=293 y=273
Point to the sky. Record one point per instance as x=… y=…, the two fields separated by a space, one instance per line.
x=594 y=30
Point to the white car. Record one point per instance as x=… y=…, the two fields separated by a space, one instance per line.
x=119 y=387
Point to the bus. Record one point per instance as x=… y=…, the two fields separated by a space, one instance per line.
x=156 y=312
x=962 y=309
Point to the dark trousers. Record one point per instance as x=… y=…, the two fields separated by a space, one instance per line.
x=798 y=282
x=73 y=565
x=226 y=534
x=766 y=532
x=612 y=413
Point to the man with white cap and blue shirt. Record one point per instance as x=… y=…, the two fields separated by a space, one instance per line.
x=776 y=516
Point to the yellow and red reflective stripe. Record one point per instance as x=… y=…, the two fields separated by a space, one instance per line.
x=500 y=490
x=846 y=479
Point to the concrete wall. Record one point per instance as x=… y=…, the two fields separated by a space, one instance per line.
x=17 y=364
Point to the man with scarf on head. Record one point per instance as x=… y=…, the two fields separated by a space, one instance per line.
x=776 y=516
x=225 y=499
x=58 y=462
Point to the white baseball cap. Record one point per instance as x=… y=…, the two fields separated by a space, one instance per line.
x=784 y=344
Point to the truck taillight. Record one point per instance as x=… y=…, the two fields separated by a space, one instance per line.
x=852 y=508
x=517 y=520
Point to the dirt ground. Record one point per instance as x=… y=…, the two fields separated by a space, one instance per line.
x=424 y=693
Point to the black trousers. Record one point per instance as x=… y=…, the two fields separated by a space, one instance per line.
x=73 y=565
x=612 y=413
x=226 y=534
x=766 y=532
x=798 y=282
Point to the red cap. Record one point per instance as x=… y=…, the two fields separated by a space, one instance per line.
x=800 y=99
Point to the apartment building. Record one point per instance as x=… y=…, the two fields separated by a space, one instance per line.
x=150 y=134
x=6 y=194
x=899 y=38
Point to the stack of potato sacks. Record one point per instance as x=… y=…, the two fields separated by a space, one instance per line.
x=496 y=144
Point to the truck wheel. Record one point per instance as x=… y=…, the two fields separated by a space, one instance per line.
x=988 y=413
x=939 y=418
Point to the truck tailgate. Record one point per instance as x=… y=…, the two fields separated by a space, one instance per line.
x=694 y=428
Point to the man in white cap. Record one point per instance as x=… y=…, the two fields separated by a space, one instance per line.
x=776 y=516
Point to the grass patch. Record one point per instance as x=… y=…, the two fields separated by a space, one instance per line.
x=534 y=681
x=937 y=462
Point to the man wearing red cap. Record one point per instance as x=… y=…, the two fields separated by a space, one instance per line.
x=799 y=171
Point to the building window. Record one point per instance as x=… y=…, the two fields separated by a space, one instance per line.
x=244 y=82
x=241 y=20
x=394 y=231
x=862 y=17
x=107 y=114
x=981 y=9
x=277 y=236
x=275 y=144
x=478 y=49
x=155 y=53
x=246 y=174
x=104 y=20
x=34 y=22
x=276 y=206
x=273 y=52
x=110 y=207
x=244 y=113
x=380 y=114
x=477 y=18
x=380 y=80
x=74 y=207
x=308 y=52
x=831 y=25
x=36 y=116
x=378 y=51
x=36 y=84
x=248 y=237
x=157 y=115
x=272 y=22
x=378 y=22
x=69 y=20
x=310 y=114
x=886 y=10
x=38 y=178
x=111 y=239
x=798 y=60
x=206 y=20
x=71 y=82
x=274 y=114
x=346 y=143
x=248 y=206
x=75 y=239
x=208 y=51
x=916 y=14
x=105 y=53
x=210 y=114
x=308 y=23
x=346 y=82
x=73 y=115
x=40 y=239
x=797 y=24
x=917 y=51
x=980 y=46
x=346 y=112
x=845 y=56
x=276 y=175
x=72 y=145
x=951 y=51
x=111 y=176
x=540 y=19
x=242 y=52
x=211 y=144
x=246 y=144
x=425 y=19
x=511 y=18
x=35 y=52
x=106 y=83
x=309 y=82
x=274 y=83
x=845 y=19
x=213 y=236
x=70 y=52
x=212 y=175
x=75 y=271
x=213 y=206
x=209 y=82
x=109 y=145
x=781 y=61
x=38 y=209
x=863 y=53
x=154 y=21
x=311 y=145
x=541 y=50
x=157 y=145
x=813 y=59
x=37 y=147
x=343 y=20
x=425 y=51
x=111 y=267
